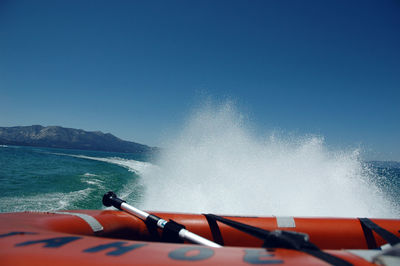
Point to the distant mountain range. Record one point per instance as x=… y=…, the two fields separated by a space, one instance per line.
x=67 y=138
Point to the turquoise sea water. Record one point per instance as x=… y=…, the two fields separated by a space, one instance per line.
x=43 y=179
x=46 y=179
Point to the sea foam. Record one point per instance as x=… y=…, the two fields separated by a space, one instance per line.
x=217 y=164
x=137 y=167
x=46 y=201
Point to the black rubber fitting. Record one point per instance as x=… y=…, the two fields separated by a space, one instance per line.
x=111 y=199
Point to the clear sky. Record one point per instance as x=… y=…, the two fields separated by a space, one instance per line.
x=136 y=68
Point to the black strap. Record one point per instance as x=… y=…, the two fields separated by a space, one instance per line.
x=251 y=230
x=331 y=259
x=216 y=233
x=368 y=226
x=289 y=240
x=369 y=236
x=277 y=239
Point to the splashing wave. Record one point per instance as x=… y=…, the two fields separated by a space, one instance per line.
x=217 y=165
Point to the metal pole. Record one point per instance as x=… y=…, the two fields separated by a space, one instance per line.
x=111 y=199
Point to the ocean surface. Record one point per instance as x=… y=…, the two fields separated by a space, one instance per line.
x=217 y=162
x=42 y=179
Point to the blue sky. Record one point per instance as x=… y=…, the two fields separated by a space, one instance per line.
x=137 y=68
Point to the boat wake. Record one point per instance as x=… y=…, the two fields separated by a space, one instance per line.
x=47 y=201
x=137 y=167
x=216 y=164
x=132 y=190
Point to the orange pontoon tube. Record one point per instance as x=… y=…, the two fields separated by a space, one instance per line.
x=108 y=237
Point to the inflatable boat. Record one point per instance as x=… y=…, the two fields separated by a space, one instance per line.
x=129 y=236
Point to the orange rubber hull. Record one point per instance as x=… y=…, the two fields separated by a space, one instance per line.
x=60 y=239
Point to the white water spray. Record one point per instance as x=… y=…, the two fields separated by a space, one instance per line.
x=216 y=165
